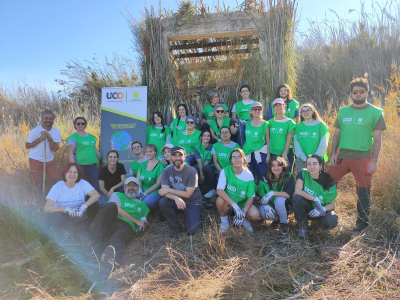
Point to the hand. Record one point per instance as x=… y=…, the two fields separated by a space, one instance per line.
x=163 y=191
x=212 y=114
x=43 y=136
x=237 y=122
x=284 y=156
x=238 y=212
x=79 y=213
x=334 y=159
x=144 y=219
x=237 y=222
x=269 y=212
x=318 y=205
x=180 y=203
x=372 y=166
x=267 y=197
x=140 y=223
x=110 y=193
x=315 y=213
x=202 y=179
x=141 y=226
x=70 y=211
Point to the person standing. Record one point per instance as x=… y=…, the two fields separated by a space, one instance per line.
x=208 y=111
x=188 y=139
x=43 y=134
x=221 y=151
x=180 y=193
x=358 y=130
x=137 y=150
x=220 y=121
x=178 y=125
x=257 y=137
x=82 y=149
x=280 y=133
x=241 y=111
x=311 y=136
x=292 y=106
x=158 y=133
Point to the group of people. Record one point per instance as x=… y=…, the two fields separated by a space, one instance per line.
x=236 y=158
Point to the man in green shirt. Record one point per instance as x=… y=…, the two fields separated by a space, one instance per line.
x=358 y=130
x=292 y=106
x=137 y=150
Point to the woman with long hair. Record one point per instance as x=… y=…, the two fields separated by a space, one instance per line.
x=178 y=125
x=221 y=151
x=188 y=139
x=276 y=189
x=315 y=196
x=166 y=150
x=220 y=121
x=236 y=191
x=158 y=133
x=311 y=136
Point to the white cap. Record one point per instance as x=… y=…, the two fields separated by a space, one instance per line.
x=131 y=179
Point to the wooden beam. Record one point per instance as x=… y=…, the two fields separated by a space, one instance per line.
x=213 y=35
x=211 y=53
x=215 y=44
x=211 y=65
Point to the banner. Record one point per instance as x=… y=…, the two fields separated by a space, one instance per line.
x=123 y=121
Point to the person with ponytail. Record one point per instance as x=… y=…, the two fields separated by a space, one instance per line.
x=315 y=196
x=276 y=189
x=311 y=136
x=158 y=133
x=236 y=191
x=178 y=125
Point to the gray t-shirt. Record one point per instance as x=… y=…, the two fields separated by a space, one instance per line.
x=180 y=180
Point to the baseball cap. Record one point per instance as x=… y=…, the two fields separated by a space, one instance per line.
x=178 y=149
x=278 y=100
x=131 y=179
x=256 y=104
x=169 y=146
x=191 y=118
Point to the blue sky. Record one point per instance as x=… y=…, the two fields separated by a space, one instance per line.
x=39 y=37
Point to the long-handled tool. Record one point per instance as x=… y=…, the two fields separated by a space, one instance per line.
x=44 y=166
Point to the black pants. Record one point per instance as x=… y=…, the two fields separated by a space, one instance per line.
x=209 y=175
x=192 y=214
x=109 y=230
x=302 y=207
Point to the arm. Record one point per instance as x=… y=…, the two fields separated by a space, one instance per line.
x=269 y=115
x=372 y=166
x=53 y=145
x=200 y=166
x=335 y=145
x=299 y=190
x=213 y=135
x=226 y=114
x=298 y=150
x=97 y=152
x=102 y=187
x=155 y=186
x=233 y=115
x=50 y=208
x=216 y=164
x=122 y=213
x=330 y=206
x=35 y=142
x=94 y=197
x=287 y=146
x=233 y=129
x=282 y=194
x=224 y=196
x=138 y=178
x=323 y=145
x=117 y=186
x=71 y=150
x=181 y=194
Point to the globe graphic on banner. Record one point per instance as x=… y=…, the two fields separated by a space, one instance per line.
x=121 y=140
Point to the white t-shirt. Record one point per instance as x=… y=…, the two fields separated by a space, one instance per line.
x=245 y=176
x=36 y=152
x=64 y=196
x=247 y=103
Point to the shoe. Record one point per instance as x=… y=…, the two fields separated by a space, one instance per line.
x=284 y=229
x=173 y=233
x=247 y=226
x=275 y=223
x=211 y=193
x=107 y=262
x=360 y=225
x=225 y=227
x=302 y=233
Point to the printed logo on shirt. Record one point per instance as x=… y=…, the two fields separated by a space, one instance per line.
x=141 y=177
x=231 y=188
x=248 y=132
x=181 y=141
x=347 y=120
x=222 y=154
x=153 y=134
x=149 y=178
x=242 y=193
x=280 y=130
x=359 y=121
x=314 y=134
x=132 y=205
x=88 y=143
x=179 y=127
x=273 y=129
x=303 y=133
x=307 y=190
x=288 y=109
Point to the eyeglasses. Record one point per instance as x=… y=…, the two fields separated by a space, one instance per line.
x=189 y=122
x=236 y=157
x=79 y=123
x=219 y=111
x=361 y=92
x=305 y=111
x=225 y=132
x=257 y=109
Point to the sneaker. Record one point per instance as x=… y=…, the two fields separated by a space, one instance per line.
x=225 y=227
x=173 y=233
x=302 y=233
x=211 y=193
x=247 y=226
x=275 y=223
x=284 y=229
x=107 y=262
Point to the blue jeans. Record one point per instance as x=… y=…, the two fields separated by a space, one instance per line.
x=103 y=198
x=256 y=168
x=192 y=214
x=209 y=175
x=191 y=160
x=152 y=200
x=92 y=171
x=240 y=135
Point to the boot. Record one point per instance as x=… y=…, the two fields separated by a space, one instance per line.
x=363 y=208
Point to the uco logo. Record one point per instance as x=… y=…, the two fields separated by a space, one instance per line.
x=222 y=154
x=86 y=143
x=304 y=133
x=307 y=190
x=248 y=132
x=153 y=134
x=273 y=129
x=347 y=119
x=129 y=205
x=115 y=95
x=231 y=188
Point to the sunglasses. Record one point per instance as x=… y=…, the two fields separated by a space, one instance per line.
x=189 y=122
x=257 y=109
x=236 y=157
x=219 y=111
x=79 y=123
x=361 y=92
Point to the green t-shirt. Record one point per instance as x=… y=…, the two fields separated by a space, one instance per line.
x=178 y=126
x=188 y=141
x=208 y=109
x=135 y=166
x=263 y=188
x=239 y=191
x=243 y=110
x=310 y=186
x=309 y=137
x=85 y=148
x=223 y=154
x=204 y=153
x=214 y=126
x=149 y=178
x=290 y=109
x=278 y=132
x=157 y=137
x=255 y=137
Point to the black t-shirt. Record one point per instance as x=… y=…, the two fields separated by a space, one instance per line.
x=300 y=176
x=109 y=179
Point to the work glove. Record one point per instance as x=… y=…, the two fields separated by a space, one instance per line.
x=315 y=213
x=318 y=205
x=269 y=212
x=70 y=211
x=79 y=213
x=140 y=194
x=267 y=197
x=237 y=122
x=237 y=221
x=239 y=214
x=141 y=228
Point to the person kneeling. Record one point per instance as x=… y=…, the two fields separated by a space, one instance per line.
x=315 y=196
x=120 y=218
x=276 y=188
x=236 y=191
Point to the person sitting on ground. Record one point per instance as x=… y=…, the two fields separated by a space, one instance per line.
x=120 y=218
x=82 y=149
x=43 y=134
x=311 y=136
x=209 y=109
x=149 y=177
x=236 y=191
x=205 y=166
x=222 y=150
x=137 y=150
x=285 y=93
x=188 y=139
x=66 y=202
x=111 y=177
x=257 y=139
x=166 y=150
x=158 y=133
x=241 y=112
x=276 y=189
x=315 y=196
x=221 y=121
x=178 y=125
x=180 y=194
